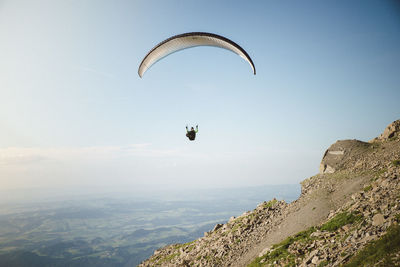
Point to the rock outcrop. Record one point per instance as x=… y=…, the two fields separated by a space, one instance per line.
x=391 y=131
x=354 y=200
x=341 y=152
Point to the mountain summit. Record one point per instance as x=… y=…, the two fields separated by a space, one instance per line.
x=348 y=214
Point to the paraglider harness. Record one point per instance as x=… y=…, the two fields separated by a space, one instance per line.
x=192 y=133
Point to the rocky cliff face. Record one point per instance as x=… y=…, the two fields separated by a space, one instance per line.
x=351 y=205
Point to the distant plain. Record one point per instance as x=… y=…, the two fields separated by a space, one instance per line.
x=117 y=228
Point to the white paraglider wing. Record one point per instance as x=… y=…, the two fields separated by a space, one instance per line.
x=187 y=40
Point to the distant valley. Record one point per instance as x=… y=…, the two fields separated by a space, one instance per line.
x=115 y=229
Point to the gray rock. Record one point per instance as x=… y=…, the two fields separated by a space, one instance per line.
x=346 y=227
x=311 y=256
x=217 y=226
x=378 y=219
x=315 y=260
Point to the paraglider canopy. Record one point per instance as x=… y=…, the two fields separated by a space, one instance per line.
x=187 y=40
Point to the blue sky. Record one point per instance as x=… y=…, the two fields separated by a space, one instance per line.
x=73 y=110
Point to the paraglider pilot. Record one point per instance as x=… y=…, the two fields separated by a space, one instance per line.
x=192 y=133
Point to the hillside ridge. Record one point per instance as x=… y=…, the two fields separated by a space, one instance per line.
x=357 y=190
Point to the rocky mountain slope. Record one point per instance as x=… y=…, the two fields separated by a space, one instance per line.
x=346 y=214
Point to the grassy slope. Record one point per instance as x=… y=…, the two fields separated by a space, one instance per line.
x=379 y=252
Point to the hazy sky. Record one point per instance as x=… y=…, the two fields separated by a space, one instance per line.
x=74 y=112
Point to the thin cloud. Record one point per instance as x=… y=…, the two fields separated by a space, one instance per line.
x=27 y=155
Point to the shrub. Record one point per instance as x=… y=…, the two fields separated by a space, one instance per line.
x=396 y=162
x=367 y=188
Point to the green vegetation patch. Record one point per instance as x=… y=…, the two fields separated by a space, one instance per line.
x=340 y=220
x=379 y=250
x=189 y=246
x=178 y=246
x=367 y=188
x=270 y=203
x=303 y=236
x=396 y=162
x=168 y=258
x=237 y=226
x=280 y=252
x=380 y=172
x=161 y=259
